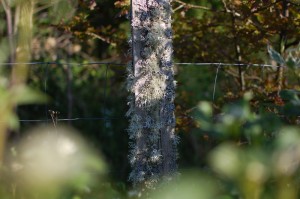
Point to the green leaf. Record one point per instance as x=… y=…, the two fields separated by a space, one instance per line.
x=289 y=95
x=274 y=55
x=205 y=108
x=226 y=161
x=291 y=109
x=203 y=115
x=190 y=186
x=63 y=10
x=288 y=136
x=13 y=121
x=291 y=63
x=24 y=95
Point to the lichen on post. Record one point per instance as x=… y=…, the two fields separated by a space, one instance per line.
x=151 y=84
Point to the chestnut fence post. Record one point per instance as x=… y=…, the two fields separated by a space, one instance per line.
x=151 y=84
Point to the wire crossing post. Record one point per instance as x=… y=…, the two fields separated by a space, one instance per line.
x=151 y=83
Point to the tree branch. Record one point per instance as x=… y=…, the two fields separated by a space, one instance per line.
x=293 y=3
x=227 y=10
x=10 y=32
x=293 y=43
x=178 y=8
x=265 y=7
x=5 y=6
x=188 y=5
x=94 y=35
x=225 y=6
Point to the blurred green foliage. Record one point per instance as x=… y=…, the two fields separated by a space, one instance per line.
x=237 y=122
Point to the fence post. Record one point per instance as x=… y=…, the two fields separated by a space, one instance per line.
x=151 y=82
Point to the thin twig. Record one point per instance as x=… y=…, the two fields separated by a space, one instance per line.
x=265 y=7
x=227 y=10
x=178 y=8
x=10 y=30
x=293 y=3
x=5 y=6
x=101 y=38
x=237 y=51
x=225 y=6
x=54 y=117
x=215 y=83
x=188 y=5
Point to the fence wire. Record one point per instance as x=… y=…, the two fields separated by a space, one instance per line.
x=107 y=65
x=124 y=64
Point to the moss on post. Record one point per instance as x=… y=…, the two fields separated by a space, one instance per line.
x=151 y=83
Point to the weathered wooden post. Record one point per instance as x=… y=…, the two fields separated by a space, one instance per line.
x=151 y=83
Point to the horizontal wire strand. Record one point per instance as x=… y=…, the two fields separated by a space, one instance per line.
x=218 y=64
x=72 y=119
x=75 y=119
x=124 y=64
x=58 y=63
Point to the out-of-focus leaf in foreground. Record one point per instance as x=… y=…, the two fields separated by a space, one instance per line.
x=189 y=186
x=53 y=159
